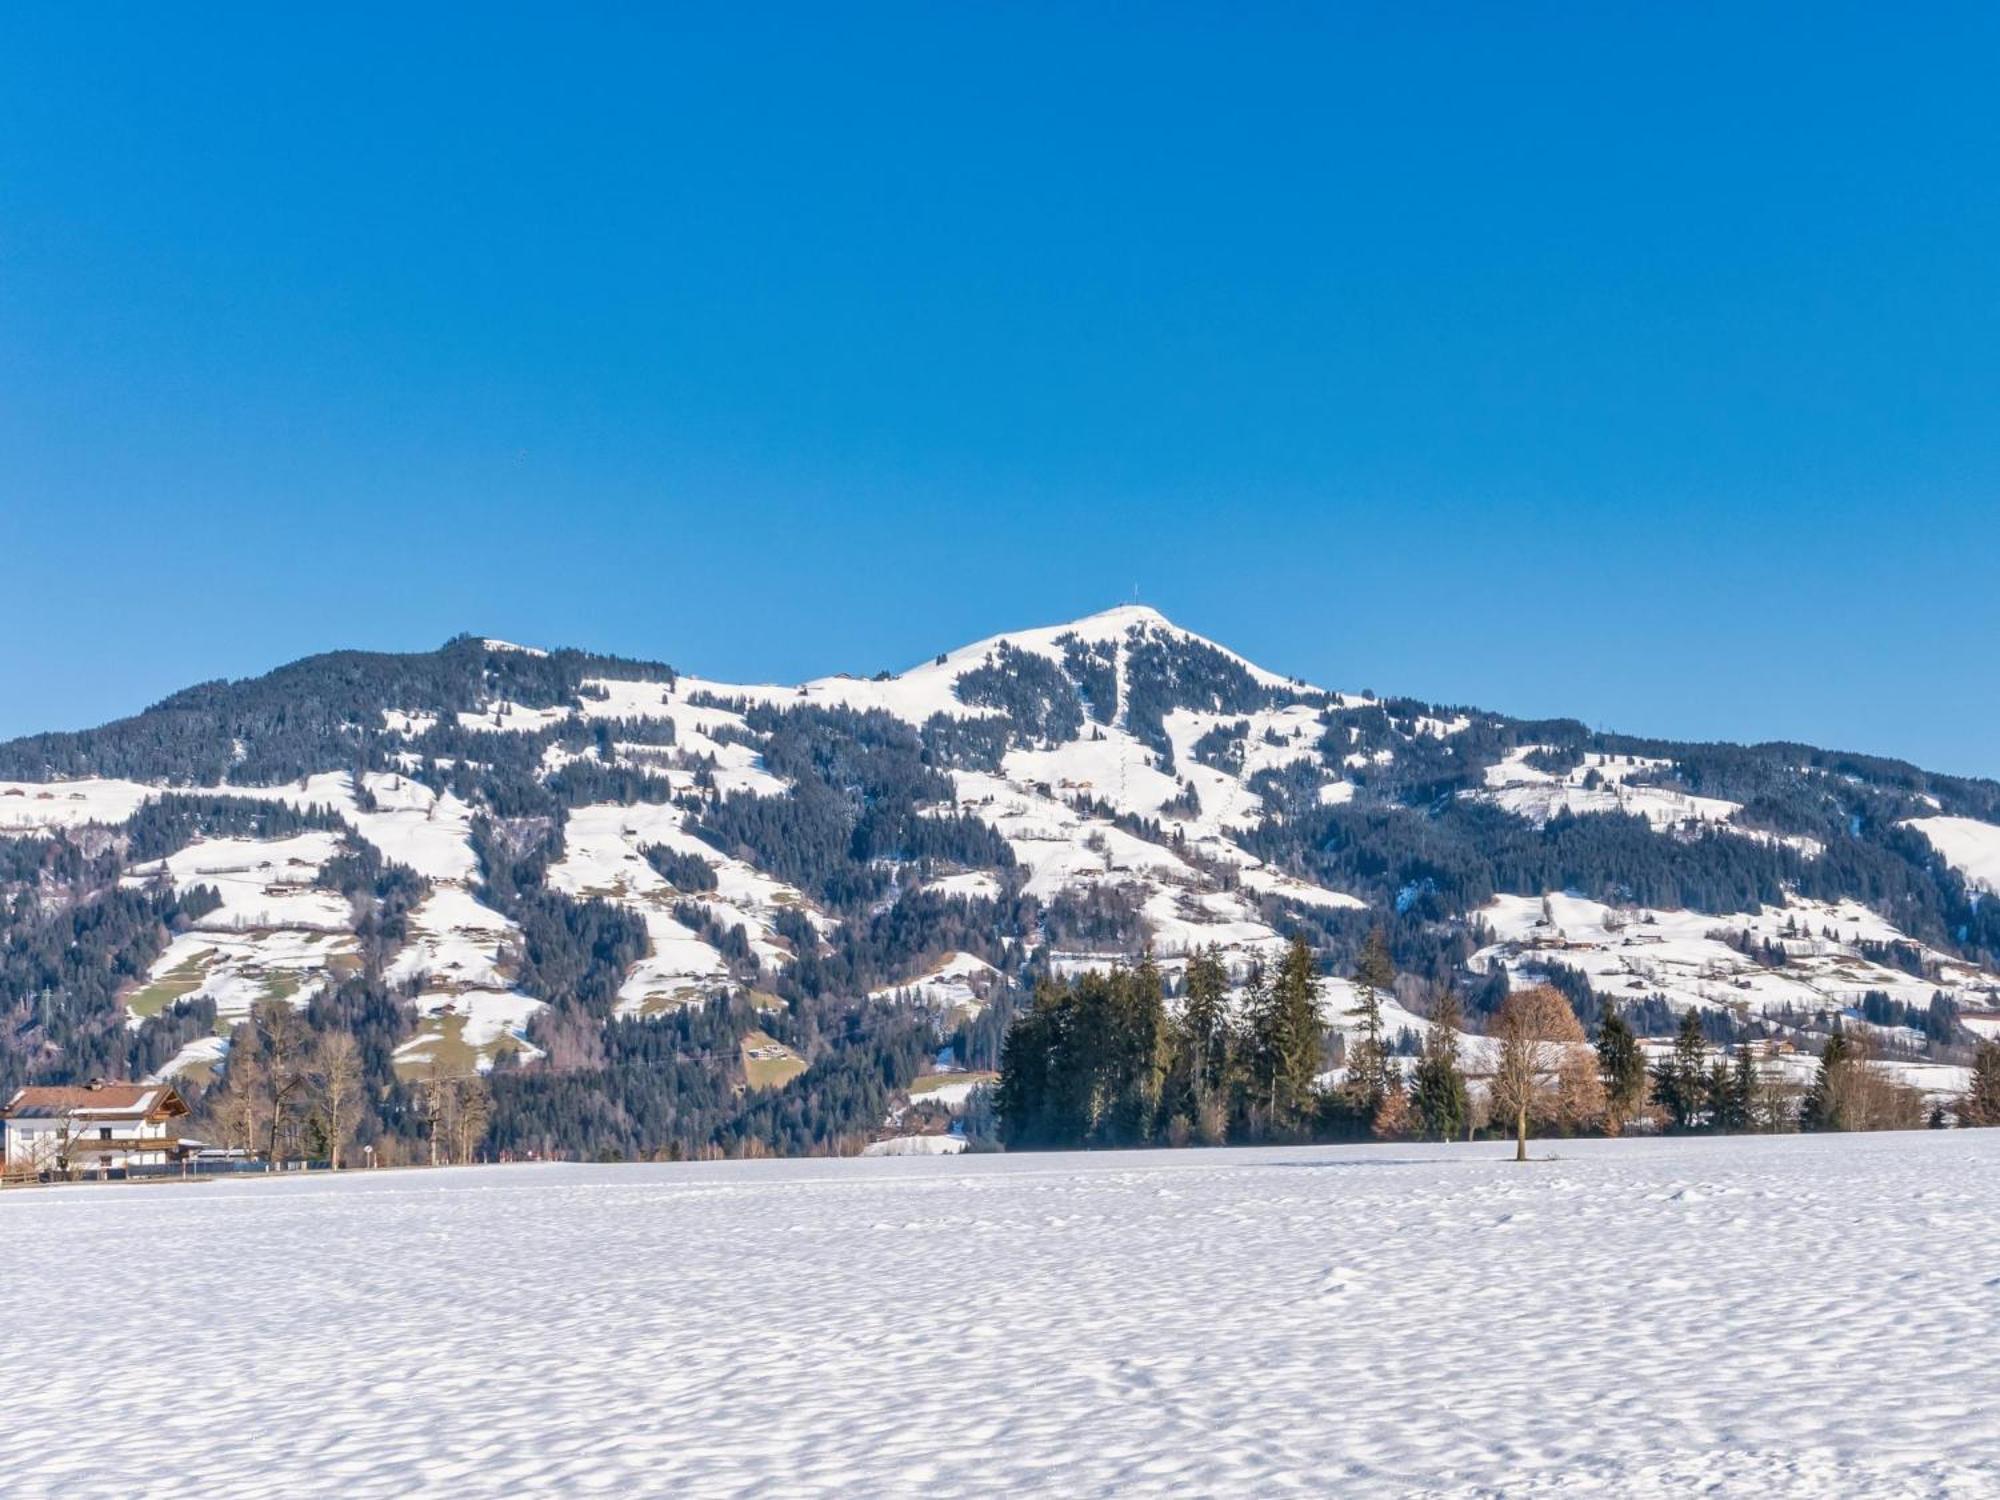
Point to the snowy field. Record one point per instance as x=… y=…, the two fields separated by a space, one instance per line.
x=1788 y=1316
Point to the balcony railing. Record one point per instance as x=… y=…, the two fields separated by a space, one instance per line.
x=117 y=1145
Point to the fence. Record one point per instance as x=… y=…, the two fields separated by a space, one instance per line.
x=187 y=1171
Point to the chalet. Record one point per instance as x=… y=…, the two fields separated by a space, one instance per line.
x=1766 y=1047
x=105 y=1126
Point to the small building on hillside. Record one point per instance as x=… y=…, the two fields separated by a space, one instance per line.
x=92 y=1126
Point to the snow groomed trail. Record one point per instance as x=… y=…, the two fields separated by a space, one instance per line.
x=1752 y=1316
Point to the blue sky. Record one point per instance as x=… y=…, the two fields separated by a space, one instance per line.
x=1639 y=364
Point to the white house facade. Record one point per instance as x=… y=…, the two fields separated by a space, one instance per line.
x=93 y=1126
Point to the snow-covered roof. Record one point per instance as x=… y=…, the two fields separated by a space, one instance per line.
x=137 y=1101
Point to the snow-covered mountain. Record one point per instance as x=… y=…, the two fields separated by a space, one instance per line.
x=502 y=855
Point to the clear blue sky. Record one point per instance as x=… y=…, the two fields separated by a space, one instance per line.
x=1638 y=363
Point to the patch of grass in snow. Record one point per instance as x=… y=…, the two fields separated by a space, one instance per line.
x=441 y=1039
x=661 y=1002
x=763 y=1000
x=768 y=1063
x=176 y=984
x=930 y=1083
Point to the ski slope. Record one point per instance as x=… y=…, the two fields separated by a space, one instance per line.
x=1757 y=1316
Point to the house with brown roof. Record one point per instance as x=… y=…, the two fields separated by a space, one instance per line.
x=99 y=1125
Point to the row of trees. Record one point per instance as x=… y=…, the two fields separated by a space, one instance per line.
x=1098 y=1061
x=291 y=1091
x=294 y=1092
x=1694 y=1089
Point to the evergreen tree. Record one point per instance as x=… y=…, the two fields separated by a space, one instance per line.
x=1822 y=1110
x=1374 y=971
x=1622 y=1065
x=1291 y=1039
x=1371 y=1074
x=1680 y=1082
x=1259 y=1074
x=1981 y=1104
x=1140 y=1051
x=1718 y=1091
x=1204 y=1043
x=1438 y=1095
x=1736 y=1106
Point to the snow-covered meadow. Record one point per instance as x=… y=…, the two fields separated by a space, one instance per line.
x=1746 y=1316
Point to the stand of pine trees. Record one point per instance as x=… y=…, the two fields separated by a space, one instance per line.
x=1096 y=1061
x=1099 y=1060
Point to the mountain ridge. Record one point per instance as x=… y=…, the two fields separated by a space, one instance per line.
x=1129 y=613
x=539 y=848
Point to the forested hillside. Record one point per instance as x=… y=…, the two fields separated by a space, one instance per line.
x=554 y=902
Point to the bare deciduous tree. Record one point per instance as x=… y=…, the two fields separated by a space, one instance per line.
x=457 y=1108
x=48 y=1150
x=1546 y=1068
x=240 y=1112
x=437 y=1106
x=337 y=1070
x=473 y=1107
x=1863 y=1095
x=285 y=1041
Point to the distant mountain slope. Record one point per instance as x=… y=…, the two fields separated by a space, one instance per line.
x=597 y=877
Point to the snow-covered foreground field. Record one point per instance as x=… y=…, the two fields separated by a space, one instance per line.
x=1794 y=1316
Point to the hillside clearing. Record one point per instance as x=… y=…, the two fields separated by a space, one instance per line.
x=154 y=996
x=768 y=1063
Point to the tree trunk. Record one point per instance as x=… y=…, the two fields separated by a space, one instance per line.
x=1521 y=1134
